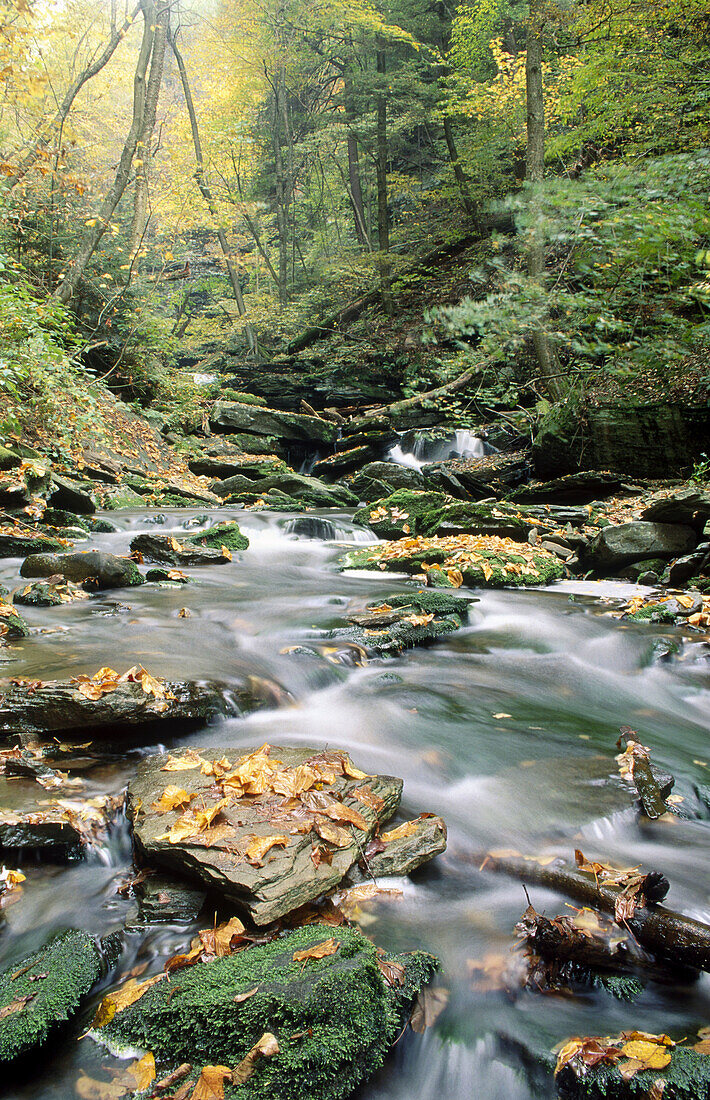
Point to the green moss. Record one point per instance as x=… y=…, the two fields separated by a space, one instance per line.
x=687 y=1077
x=653 y=611
x=243 y=398
x=334 y=1017
x=56 y=978
x=173 y=500
x=490 y=560
x=408 y=508
x=15 y=626
x=222 y=534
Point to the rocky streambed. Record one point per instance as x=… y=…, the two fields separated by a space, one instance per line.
x=234 y=740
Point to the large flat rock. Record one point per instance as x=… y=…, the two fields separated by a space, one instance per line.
x=318 y=809
x=235 y=417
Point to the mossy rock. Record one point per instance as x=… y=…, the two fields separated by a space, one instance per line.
x=222 y=534
x=20 y=545
x=12 y=625
x=334 y=1018
x=121 y=496
x=406 y=511
x=42 y=594
x=54 y=980
x=173 y=500
x=484 y=561
x=395 y=623
x=244 y=398
x=687 y=1077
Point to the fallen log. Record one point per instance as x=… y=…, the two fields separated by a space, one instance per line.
x=651 y=796
x=664 y=932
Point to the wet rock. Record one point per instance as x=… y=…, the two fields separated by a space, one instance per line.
x=58 y=706
x=294 y=872
x=690 y=565
x=72 y=495
x=638 y=569
x=307 y=489
x=275 y=501
x=20 y=484
x=44 y=990
x=232 y=416
x=312 y=527
x=407 y=847
x=484 y=561
x=180 y=552
x=18 y=543
x=344 y=462
x=161 y=576
x=399 y=622
x=46 y=594
x=101 y=569
x=163 y=899
x=617 y=546
x=120 y=497
x=61 y=517
x=221 y=534
x=334 y=1018
x=379 y=479
x=12 y=625
x=404 y=512
x=581 y=488
x=686 y=1077
x=57 y=828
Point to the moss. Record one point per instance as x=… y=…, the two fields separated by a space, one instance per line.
x=173 y=500
x=687 y=1077
x=405 y=508
x=12 y=625
x=243 y=398
x=702 y=584
x=655 y=612
x=222 y=534
x=71 y=965
x=490 y=563
x=334 y=1017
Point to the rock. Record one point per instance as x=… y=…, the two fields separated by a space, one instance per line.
x=60 y=517
x=484 y=561
x=121 y=497
x=344 y=462
x=12 y=625
x=58 y=706
x=274 y=501
x=20 y=484
x=71 y=495
x=45 y=989
x=8 y=459
x=690 y=565
x=581 y=488
x=394 y=623
x=307 y=489
x=18 y=543
x=379 y=479
x=222 y=534
x=420 y=841
x=404 y=512
x=686 y=1077
x=633 y=440
x=101 y=569
x=218 y=855
x=232 y=416
x=617 y=546
x=172 y=551
x=686 y=506
x=44 y=594
x=334 y=1018
x=312 y=527
x=163 y=899
x=161 y=576
x=35 y=825
x=637 y=569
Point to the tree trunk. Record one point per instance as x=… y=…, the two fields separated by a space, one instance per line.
x=383 y=225
x=95 y=232
x=548 y=362
x=44 y=139
x=201 y=181
x=281 y=193
x=143 y=159
x=459 y=174
x=355 y=189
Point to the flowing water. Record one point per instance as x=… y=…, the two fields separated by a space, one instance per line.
x=461 y=444
x=507 y=729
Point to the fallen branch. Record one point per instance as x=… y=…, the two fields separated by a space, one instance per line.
x=651 y=796
x=662 y=931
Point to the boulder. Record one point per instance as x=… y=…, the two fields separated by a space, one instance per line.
x=408 y=512
x=581 y=488
x=228 y=416
x=685 y=1077
x=12 y=625
x=45 y=989
x=16 y=542
x=344 y=462
x=20 y=484
x=307 y=489
x=34 y=825
x=222 y=534
x=72 y=495
x=120 y=497
x=620 y=545
x=96 y=566
x=632 y=440
x=316 y=835
x=378 y=479
x=163 y=899
x=681 y=570
x=690 y=507
x=403 y=512
x=168 y=550
x=331 y=1019
x=312 y=527
x=484 y=561
x=66 y=706
x=406 y=847
x=45 y=594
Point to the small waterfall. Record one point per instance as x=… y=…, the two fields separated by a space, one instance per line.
x=326 y=530
x=416 y=449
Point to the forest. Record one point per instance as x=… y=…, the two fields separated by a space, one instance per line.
x=354 y=549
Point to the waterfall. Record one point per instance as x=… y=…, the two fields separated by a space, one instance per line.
x=421 y=449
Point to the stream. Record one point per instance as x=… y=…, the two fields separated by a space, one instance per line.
x=506 y=728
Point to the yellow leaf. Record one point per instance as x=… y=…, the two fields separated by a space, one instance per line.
x=267 y=1047
x=651 y=1055
x=87 y=1088
x=210 y=1084
x=318 y=951
x=260 y=845
x=127 y=995
x=143 y=1071
x=183 y=763
x=172 y=797
x=408 y=829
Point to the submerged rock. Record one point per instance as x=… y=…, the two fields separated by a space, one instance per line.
x=333 y=1018
x=163 y=899
x=87 y=705
x=262 y=835
x=484 y=561
x=12 y=625
x=44 y=990
x=101 y=569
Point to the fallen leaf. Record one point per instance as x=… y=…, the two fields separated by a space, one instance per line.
x=429 y=1005
x=186 y=762
x=16 y=1006
x=369 y=798
x=392 y=972
x=502 y=714
x=127 y=995
x=172 y=797
x=334 y=834
x=218 y=941
x=318 y=951
x=408 y=829
x=87 y=1088
x=240 y=997
x=267 y=1047
x=143 y=1071
x=260 y=845
x=210 y=1084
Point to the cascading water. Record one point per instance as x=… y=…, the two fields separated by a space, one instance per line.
x=506 y=728
x=416 y=449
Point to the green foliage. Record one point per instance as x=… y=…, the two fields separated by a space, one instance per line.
x=243 y=398
x=701 y=471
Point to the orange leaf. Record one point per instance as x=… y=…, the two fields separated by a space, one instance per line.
x=319 y=951
x=267 y=1047
x=210 y=1084
x=260 y=845
x=172 y=797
